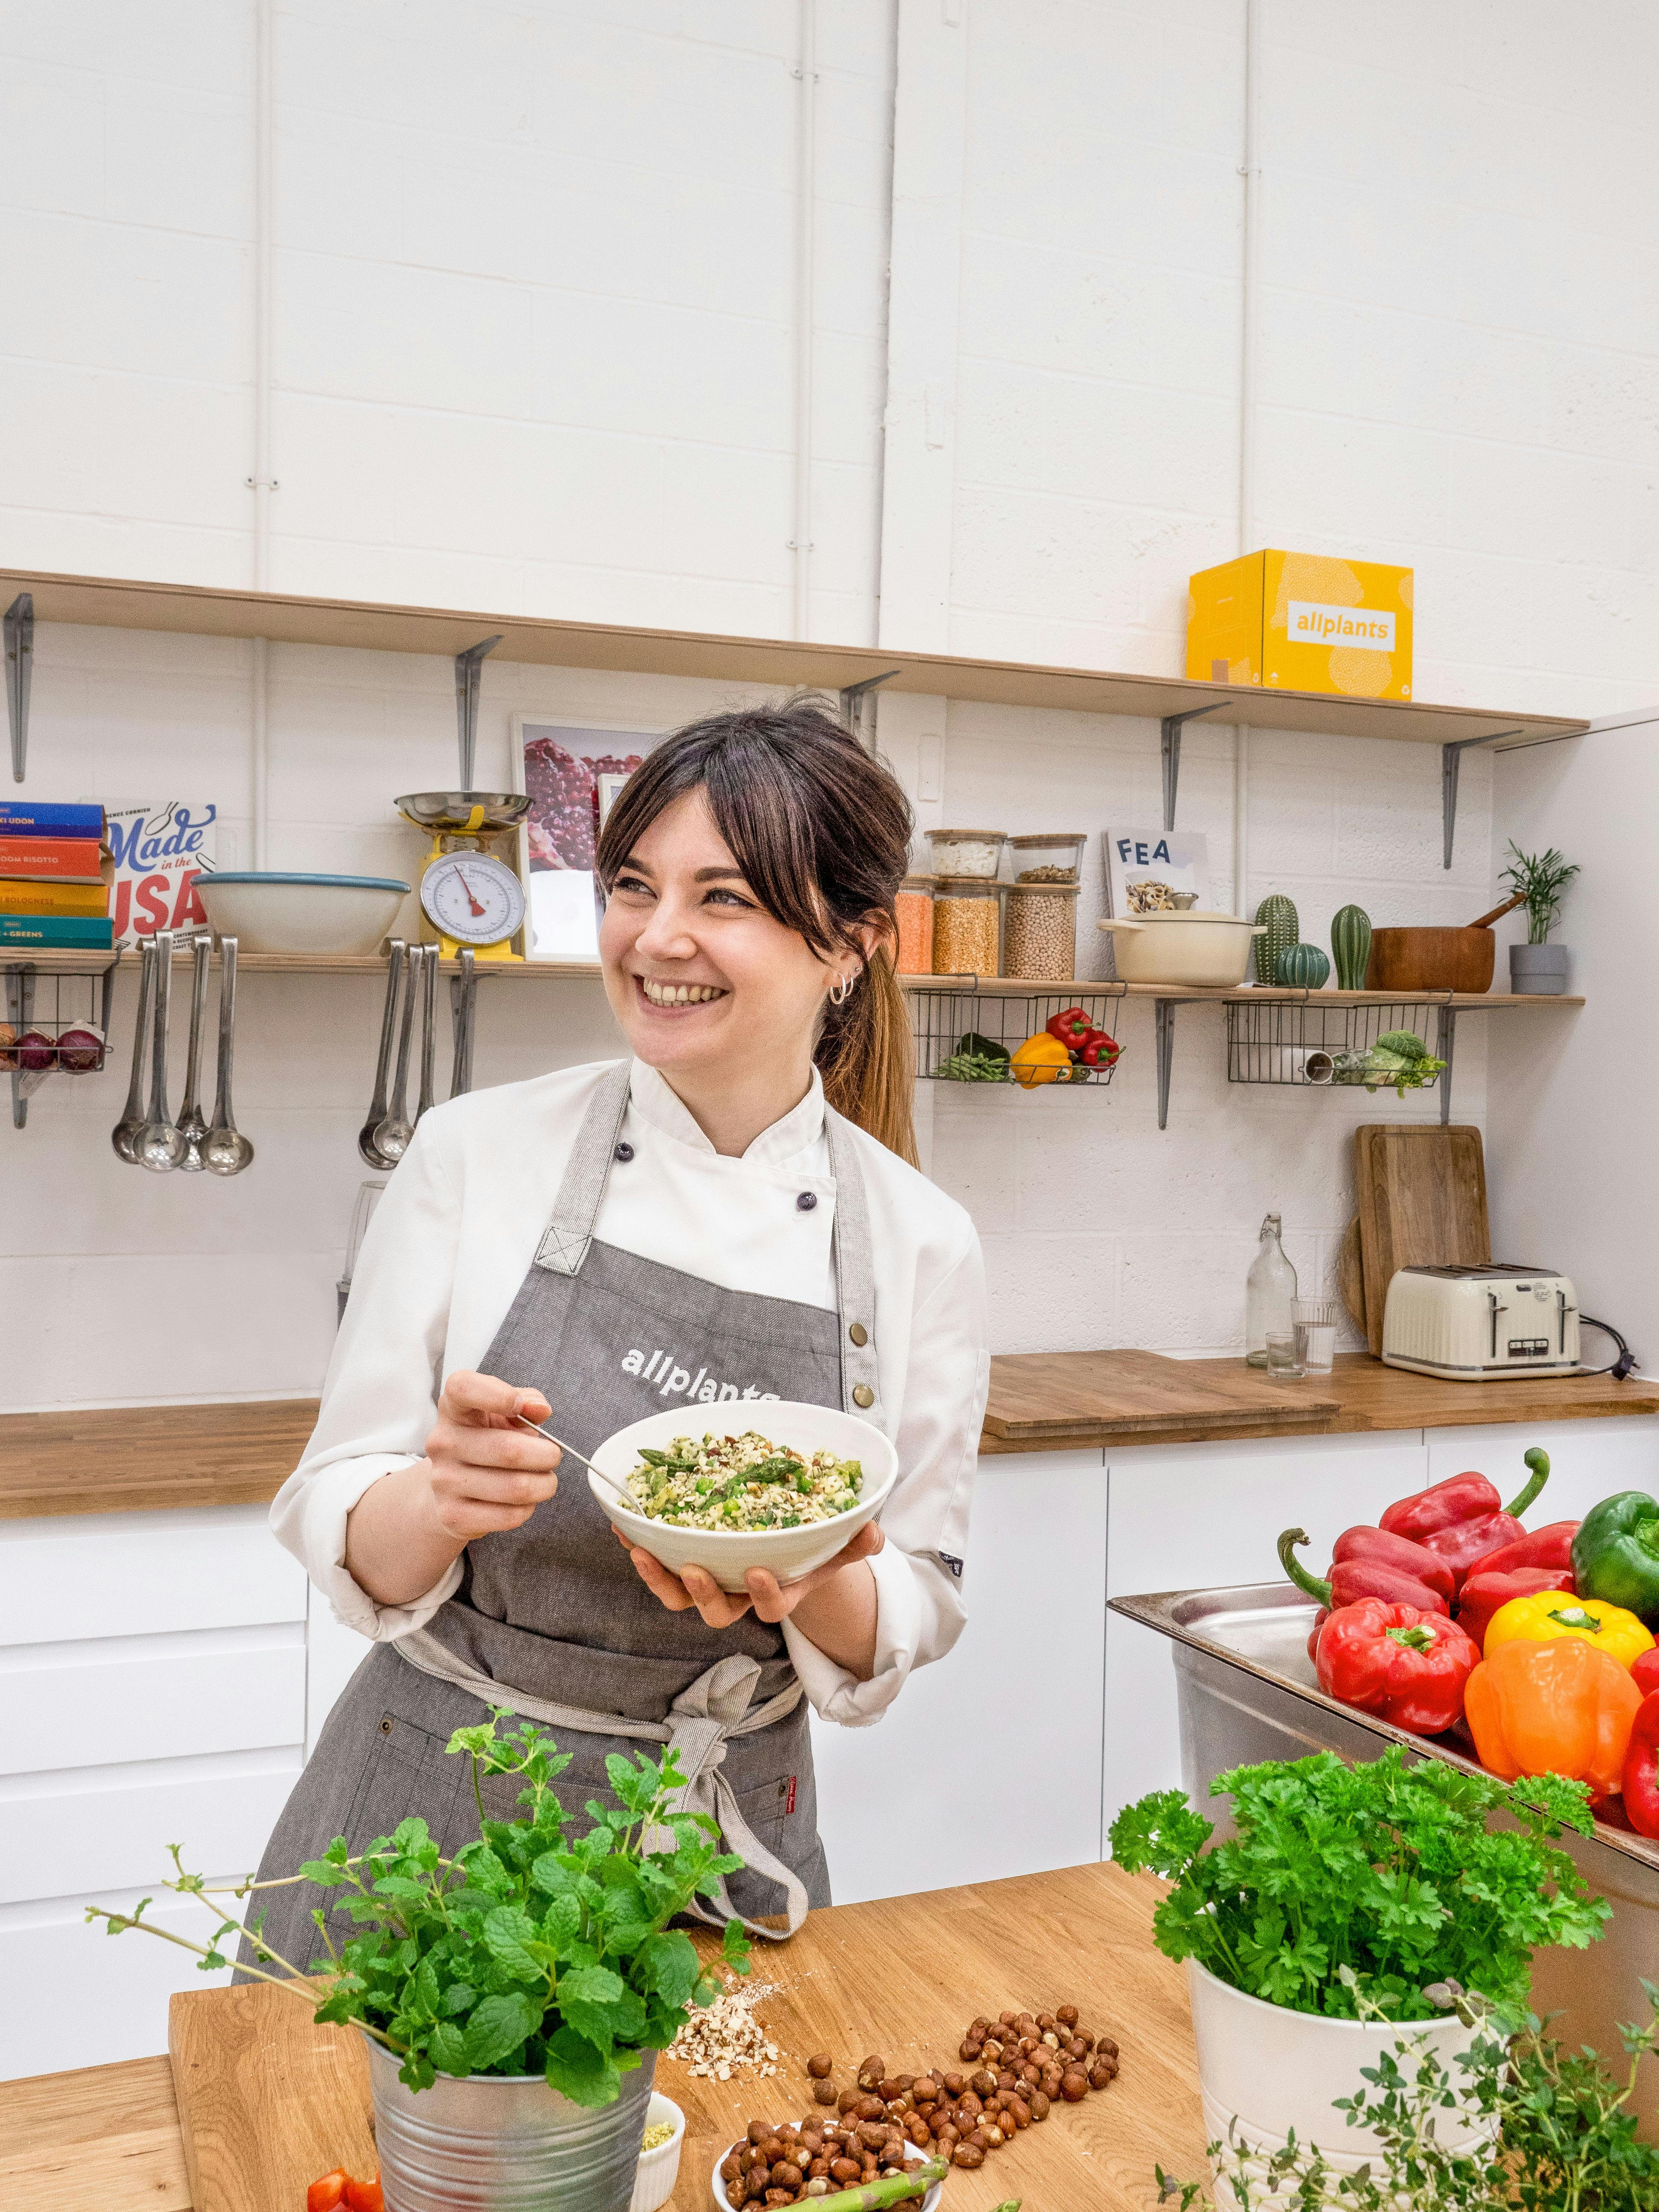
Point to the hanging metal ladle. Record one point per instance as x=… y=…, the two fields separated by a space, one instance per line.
x=159 y=1145
x=225 y=1149
x=192 y=1122
x=124 y=1132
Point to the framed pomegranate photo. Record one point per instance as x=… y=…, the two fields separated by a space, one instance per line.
x=570 y=774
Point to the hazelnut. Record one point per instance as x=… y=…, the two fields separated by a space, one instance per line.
x=1066 y=2015
x=968 y=2155
x=821 y=2066
x=1074 y=2088
x=1039 y=2106
x=824 y=2092
x=871 y=2072
x=1102 y=2073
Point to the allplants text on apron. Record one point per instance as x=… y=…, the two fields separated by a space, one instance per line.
x=672 y=1380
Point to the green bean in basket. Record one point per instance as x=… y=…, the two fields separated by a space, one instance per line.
x=743 y=1483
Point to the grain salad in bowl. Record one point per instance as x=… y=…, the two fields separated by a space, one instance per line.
x=743 y=1482
x=786 y=1497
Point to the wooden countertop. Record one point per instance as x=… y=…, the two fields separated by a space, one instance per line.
x=139 y=1459
x=903 y=1976
x=1060 y=1400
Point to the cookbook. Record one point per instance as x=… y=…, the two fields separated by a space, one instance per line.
x=1155 y=872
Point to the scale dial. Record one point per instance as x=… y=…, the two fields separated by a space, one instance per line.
x=472 y=898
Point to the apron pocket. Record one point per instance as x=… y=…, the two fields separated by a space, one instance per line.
x=767 y=1809
x=404 y=1770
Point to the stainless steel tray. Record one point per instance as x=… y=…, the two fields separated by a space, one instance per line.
x=1247 y=1692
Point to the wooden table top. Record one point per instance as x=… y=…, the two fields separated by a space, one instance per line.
x=902 y=1976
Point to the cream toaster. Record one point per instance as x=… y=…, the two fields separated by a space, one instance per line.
x=1470 y=1324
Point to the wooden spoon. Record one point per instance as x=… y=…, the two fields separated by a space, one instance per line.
x=1498 y=912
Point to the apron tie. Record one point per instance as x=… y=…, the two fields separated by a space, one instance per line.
x=702 y=1719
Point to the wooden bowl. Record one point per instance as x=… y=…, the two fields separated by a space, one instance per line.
x=1430 y=960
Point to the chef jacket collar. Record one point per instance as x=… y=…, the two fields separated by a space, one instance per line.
x=652 y=1099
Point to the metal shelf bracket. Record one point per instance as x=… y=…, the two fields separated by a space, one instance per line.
x=857 y=707
x=1450 y=758
x=19 y=629
x=468 y=676
x=1445 y=1041
x=1171 y=729
x=1163 y=1013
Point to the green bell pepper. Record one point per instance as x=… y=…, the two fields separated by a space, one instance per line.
x=1615 y=1554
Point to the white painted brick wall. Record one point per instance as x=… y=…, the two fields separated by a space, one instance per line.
x=533 y=302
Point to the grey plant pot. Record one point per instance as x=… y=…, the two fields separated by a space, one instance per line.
x=1540 y=968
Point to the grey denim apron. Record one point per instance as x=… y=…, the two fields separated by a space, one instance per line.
x=551 y=1619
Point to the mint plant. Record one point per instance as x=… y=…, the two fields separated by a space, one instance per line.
x=1351 y=1890
x=527 y=1952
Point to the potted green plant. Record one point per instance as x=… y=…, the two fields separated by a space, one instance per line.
x=513 y=1997
x=1540 y=879
x=1353 y=1906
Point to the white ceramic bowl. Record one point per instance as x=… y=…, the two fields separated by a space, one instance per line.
x=273 y=912
x=1198 y=948
x=912 y=2157
x=659 y=2170
x=728 y=1553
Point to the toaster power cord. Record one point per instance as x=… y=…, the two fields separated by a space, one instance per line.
x=1626 y=1360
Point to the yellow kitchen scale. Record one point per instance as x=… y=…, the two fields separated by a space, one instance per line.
x=470 y=896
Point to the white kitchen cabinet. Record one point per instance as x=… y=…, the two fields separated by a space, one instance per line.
x=988 y=1763
x=152 y=1691
x=1184 y=1516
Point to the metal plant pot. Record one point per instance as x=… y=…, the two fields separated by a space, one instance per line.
x=504 y=2142
x=1538 y=968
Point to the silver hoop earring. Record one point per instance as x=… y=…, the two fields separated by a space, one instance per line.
x=842 y=990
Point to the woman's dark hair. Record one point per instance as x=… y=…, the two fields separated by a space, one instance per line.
x=822 y=832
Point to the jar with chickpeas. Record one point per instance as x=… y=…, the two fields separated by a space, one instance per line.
x=1040 y=942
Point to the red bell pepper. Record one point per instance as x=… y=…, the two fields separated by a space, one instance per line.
x=1645 y=1671
x=1641 y=1782
x=1464 y=1518
x=1487 y=1587
x=1549 y=1546
x=1098 y=1050
x=1385 y=1573
x=1072 y=1027
x=1406 y=1666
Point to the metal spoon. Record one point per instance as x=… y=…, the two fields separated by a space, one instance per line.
x=225 y=1149
x=465 y=988
x=620 y=1491
x=132 y=1113
x=428 y=1027
x=192 y=1122
x=159 y=1146
x=367 y=1150
x=392 y=1137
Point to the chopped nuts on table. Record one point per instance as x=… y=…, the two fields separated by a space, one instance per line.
x=725 y=2039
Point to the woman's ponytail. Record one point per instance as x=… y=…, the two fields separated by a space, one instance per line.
x=868 y=1060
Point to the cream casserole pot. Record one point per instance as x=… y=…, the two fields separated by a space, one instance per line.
x=1200 y=949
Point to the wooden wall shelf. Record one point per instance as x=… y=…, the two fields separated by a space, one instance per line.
x=202 y=610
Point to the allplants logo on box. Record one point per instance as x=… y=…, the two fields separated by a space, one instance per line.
x=1307 y=622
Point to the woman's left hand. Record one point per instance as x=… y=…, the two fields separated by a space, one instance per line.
x=770 y=1599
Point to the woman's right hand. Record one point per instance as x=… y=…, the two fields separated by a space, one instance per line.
x=483 y=1472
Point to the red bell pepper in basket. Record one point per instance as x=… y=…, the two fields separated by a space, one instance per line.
x=1072 y=1027
x=1641 y=1782
x=1406 y=1666
x=1464 y=1518
x=1372 y=1563
x=1488 y=1588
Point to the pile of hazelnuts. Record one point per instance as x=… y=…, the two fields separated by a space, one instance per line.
x=1020 y=2064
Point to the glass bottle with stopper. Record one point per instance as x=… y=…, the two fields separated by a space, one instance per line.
x=1269 y=1294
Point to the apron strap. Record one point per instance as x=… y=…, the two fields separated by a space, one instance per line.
x=855 y=1274
x=702 y=1719
x=569 y=1232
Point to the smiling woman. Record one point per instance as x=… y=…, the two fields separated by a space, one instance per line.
x=728 y=1214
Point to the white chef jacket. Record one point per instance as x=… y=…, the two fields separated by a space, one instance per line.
x=454 y=1236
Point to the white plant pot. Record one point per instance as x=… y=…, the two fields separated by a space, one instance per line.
x=1264 y=2070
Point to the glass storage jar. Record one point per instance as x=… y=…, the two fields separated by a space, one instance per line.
x=1047 y=858
x=1040 y=942
x=966 y=852
x=912 y=906
x=966 y=913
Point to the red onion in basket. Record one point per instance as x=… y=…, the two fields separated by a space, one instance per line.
x=80 y=1049
x=36 y=1051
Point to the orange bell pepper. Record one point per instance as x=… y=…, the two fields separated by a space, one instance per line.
x=1560 y=1708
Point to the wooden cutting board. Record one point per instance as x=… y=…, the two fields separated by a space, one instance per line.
x=1422 y=1193
x=1048 y=1394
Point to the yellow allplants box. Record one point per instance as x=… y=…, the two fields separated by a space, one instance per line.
x=1303 y=622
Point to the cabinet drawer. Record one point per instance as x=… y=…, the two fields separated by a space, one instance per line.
x=168 y=1696
x=71 y=1835
x=133 y=1574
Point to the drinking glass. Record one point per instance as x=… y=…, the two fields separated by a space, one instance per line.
x=1316 y=1334
x=1282 y=1359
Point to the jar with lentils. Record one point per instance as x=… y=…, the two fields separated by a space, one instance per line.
x=1041 y=942
x=913 y=907
x=965 y=919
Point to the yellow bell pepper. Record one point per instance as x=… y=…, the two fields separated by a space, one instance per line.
x=1548 y=1614
x=1040 y=1059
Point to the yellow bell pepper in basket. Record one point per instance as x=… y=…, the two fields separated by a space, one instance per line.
x=1545 y=1615
x=1040 y=1059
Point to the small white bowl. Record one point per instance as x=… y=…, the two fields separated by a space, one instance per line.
x=659 y=2170
x=277 y=912
x=728 y=1553
x=912 y=2156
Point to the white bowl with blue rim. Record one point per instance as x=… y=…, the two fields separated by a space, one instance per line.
x=268 y=911
x=728 y=1553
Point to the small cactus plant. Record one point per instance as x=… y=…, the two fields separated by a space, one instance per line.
x=1303 y=967
x=1351 y=947
x=1283 y=930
